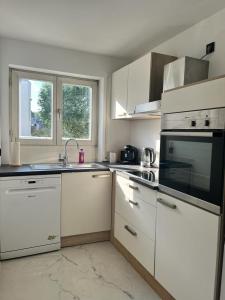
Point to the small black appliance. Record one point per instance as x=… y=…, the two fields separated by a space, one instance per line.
x=129 y=155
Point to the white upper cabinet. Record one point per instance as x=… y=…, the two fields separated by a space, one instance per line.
x=138 y=82
x=186 y=249
x=203 y=95
x=119 y=93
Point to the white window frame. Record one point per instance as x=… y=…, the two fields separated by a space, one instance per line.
x=57 y=81
x=75 y=81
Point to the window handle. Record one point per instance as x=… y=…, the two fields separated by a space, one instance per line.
x=59 y=112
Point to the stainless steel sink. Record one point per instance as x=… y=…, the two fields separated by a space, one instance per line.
x=57 y=166
x=45 y=166
x=81 y=166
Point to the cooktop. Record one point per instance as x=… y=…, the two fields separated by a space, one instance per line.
x=150 y=177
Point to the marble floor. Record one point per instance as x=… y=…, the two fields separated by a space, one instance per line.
x=88 y=272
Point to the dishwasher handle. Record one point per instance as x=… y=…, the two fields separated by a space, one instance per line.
x=31 y=181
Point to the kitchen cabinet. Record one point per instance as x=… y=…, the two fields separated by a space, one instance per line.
x=222 y=295
x=138 y=83
x=119 y=93
x=134 y=220
x=186 y=249
x=203 y=95
x=86 y=202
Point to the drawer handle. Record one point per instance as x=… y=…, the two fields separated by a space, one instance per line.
x=101 y=176
x=133 y=187
x=166 y=203
x=133 y=202
x=31 y=181
x=131 y=231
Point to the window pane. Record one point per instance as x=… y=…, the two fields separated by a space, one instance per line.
x=35 y=109
x=77 y=107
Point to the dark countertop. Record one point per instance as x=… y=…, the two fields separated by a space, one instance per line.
x=27 y=170
x=125 y=169
x=24 y=170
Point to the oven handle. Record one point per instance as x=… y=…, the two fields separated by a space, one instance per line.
x=187 y=133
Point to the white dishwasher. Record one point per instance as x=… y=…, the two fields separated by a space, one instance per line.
x=29 y=215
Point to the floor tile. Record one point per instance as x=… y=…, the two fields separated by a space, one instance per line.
x=89 y=272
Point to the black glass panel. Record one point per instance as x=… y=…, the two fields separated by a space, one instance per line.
x=193 y=165
x=147 y=175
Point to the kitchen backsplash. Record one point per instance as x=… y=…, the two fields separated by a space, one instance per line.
x=146 y=133
x=49 y=154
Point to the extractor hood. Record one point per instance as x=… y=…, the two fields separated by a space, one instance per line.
x=151 y=108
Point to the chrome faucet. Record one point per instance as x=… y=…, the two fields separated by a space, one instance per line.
x=65 y=156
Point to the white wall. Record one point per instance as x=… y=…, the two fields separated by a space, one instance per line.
x=28 y=54
x=191 y=42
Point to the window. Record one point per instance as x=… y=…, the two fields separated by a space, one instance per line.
x=35 y=109
x=49 y=109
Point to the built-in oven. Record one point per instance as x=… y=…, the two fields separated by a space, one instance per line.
x=192 y=158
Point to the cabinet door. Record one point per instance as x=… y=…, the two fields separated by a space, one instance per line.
x=222 y=296
x=136 y=242
x=119 y=93
x=138 y=82
x=86 y=202
x=186 y=249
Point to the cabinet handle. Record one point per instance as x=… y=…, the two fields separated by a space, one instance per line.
x=131 y=231
x=101 y=176
x=133 y=187
x=166 y=203
x=133 y=202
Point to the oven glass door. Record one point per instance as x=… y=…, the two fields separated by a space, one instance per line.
x=192 y=163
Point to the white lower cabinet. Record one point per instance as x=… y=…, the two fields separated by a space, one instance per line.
x=86 y=202
x=136 y=242
x=135 y=218
x=186 y=249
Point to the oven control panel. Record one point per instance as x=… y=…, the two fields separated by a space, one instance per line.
x=201 y=119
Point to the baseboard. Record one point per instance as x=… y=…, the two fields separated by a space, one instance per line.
x=75 y=240
x=155 y=285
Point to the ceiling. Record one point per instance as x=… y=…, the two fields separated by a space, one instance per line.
x=123 y=28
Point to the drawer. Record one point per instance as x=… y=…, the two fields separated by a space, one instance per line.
x=137 y=243
x=131 y=190
x=138 y=212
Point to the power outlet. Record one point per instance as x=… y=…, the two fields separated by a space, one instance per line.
x=210 y=48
